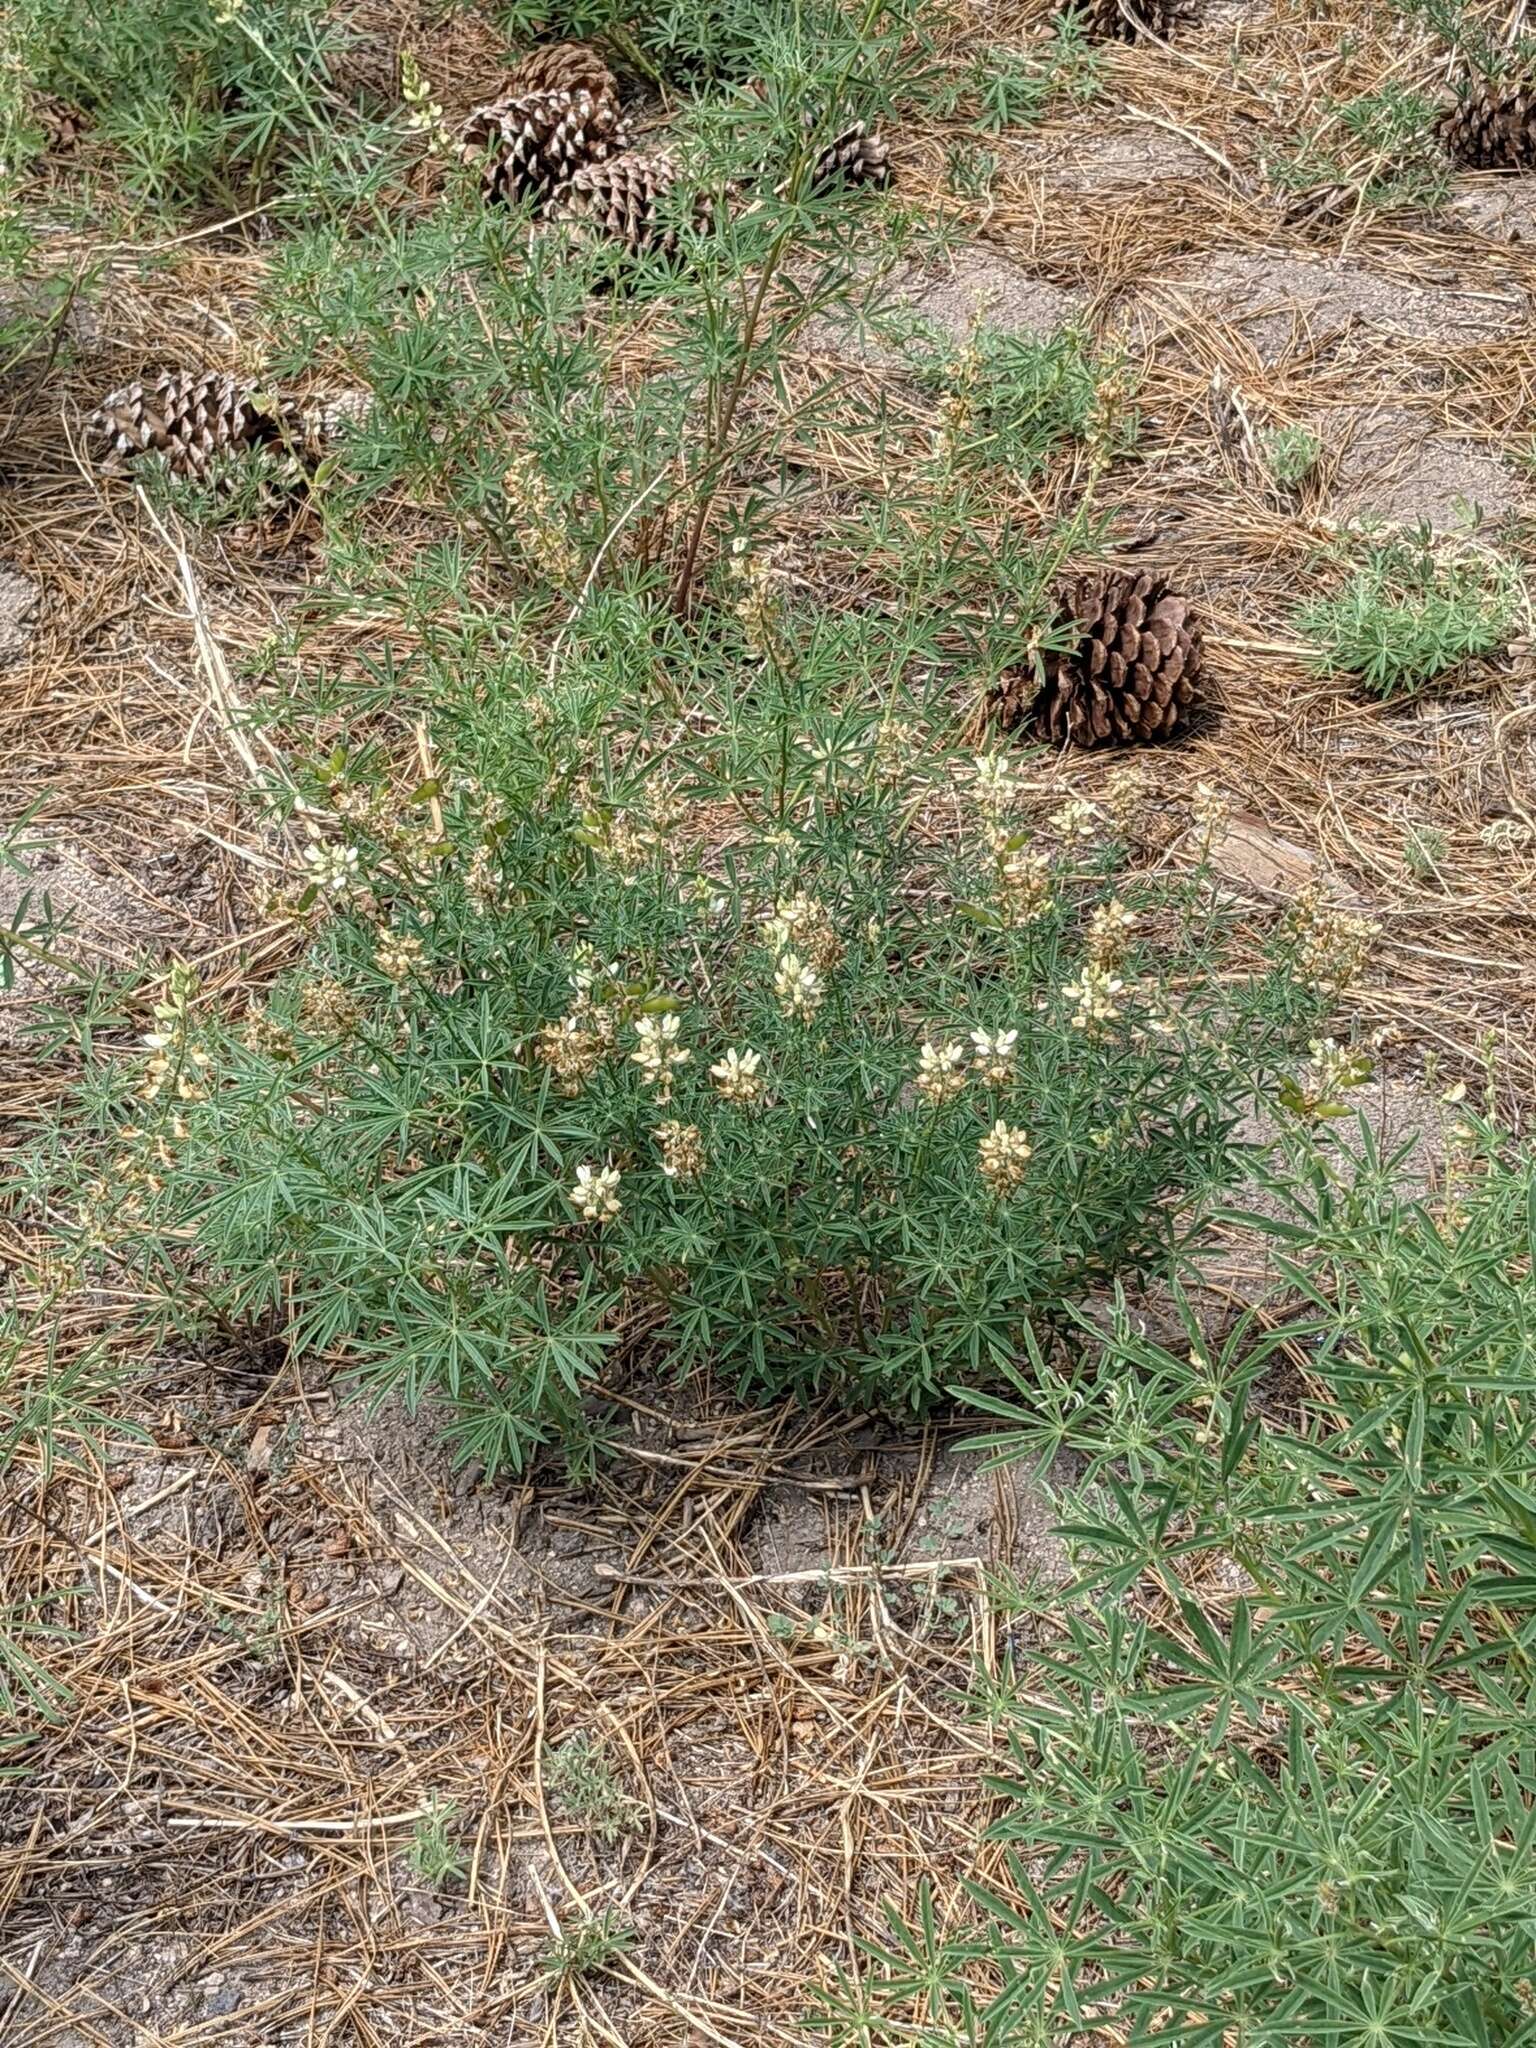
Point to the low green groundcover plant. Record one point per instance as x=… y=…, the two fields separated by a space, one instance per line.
x=1408 y=615
x=1274 y=1751
x=810 y=1063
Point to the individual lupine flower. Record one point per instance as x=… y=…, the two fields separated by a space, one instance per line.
x=398 y=954
x=1024 y=887
x=595 y=1193
x=799 y=988
x=332 y=868
x=659 y=1052
x=1109 y=931
x=1331 y=945
x=995 y=1053
x=1075 y=822
x=1209 y=810
x=1094 y=996
x=993 y=789
x=1002 y=1157
x=1125 y=792
x=682 y=1150
x=327 y=1009
x=763 y=582
x=572 y=1051
x=1334 y=1069
x=940 y=1071
x=738 y=1078
x=264 y=1034
x=426 y=117
x=896 y=744
x=541 y=527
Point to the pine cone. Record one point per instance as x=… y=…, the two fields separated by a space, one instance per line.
x=62 y=123
x=530 y=145
x=1132 y=675
x=366 y=73
x=622 y=201
x=1127 y=21
x=190 y=419
x=1493 y=125
x=563 y=67
x=859 y=156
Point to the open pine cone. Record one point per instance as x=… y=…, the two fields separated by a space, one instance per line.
x=1127 y=21
x=1131 y=676
x=531 y=144
x=858 y=156
x=191 y=419
x=563 y=67
x=622 y=201
x=1492 y=127
x=62 y=123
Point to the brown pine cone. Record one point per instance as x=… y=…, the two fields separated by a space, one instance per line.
x=621 y=201
x=1492 y=127
x=1132 y=674
x=531 y=144
x=563 y=67
x=189 y=419
x=858 y=156
x=1127 y=21
x=62 y=123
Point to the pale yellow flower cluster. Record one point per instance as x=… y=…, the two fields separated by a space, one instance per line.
x=397 y=954
x=1024 y=887
x=895 y=745
x=1333 y=1070
x=595 y=1194
x=802 y=924
x=1332 y=945
x=1093 y=996
x=333 y=868
x=327 y=1009
x=682 y=1150
x=1002 y=1157
x=940 y=1072
x=264 y=1034
x=540 y=524
x=175 y=1062
x=1109 y=933
x=1075 y=822
x=995 y=1054
x=763 y=582
x=739 y=1078
x=1210 y=811
x=426 y=116
x=1124 y=794
x=574 y=1049
x=659 y=1054
x=993 y=791
x=799 y=988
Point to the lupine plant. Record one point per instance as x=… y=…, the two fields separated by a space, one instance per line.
x=1271 y=1774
